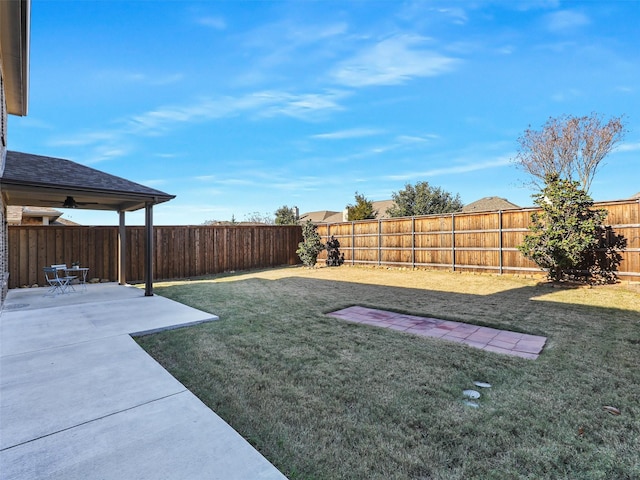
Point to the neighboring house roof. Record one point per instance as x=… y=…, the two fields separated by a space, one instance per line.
x=321 y=216
x=48 y=181
x=329 y=216
x=19 y=215
x=14 y=53
x=489 y=204
x=381 y=207
x=637 y=195
x=66 y=222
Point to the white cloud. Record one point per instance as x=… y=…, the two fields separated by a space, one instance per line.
x=506 y=50
x=273 y=48
x=102 y=153
x=565 y=20
x=526 y=5
x=156 y=182
x=83 y=139
x=629 y=147
x=462 y=168
x=113 y=143
x=566 y=95
x=304 y=106
x=393 y=61
x=349 y=133
x=315 y=33
x=416 y=138
x=288 y=35
x=458 y=15
x=115 y=77
x=205 y=178
x=217 y=23
x=423 y=13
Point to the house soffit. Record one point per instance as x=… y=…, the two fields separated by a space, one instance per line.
x=14 y=50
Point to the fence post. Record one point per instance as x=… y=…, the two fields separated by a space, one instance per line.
x=353 y=245
x=379 y=242
x=500 y=238
x=453 y=242
x=413 y=242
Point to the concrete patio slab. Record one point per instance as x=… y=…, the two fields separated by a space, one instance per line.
x=80 y=399
x=75 y=384
x=176 y=437
x=32 y=321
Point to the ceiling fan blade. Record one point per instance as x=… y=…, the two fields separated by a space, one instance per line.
x=70 y=202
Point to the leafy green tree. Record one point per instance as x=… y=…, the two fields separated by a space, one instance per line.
x=565 y=230
x=423 y=199
x=570 y=147
x=311 y=246
x=286 y=216
x=362 y=210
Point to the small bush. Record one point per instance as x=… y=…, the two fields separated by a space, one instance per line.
x=310 y=248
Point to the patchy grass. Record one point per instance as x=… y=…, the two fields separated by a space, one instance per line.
x=326 y=399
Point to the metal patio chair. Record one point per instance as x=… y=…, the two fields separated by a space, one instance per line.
x=57 y=284
x=63 y=272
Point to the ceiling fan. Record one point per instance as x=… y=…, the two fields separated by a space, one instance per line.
x=70 y=202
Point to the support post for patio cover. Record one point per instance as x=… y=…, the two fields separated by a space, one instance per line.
x=122 y=250
x=148 y=251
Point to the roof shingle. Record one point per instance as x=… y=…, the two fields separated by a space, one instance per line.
x=38 y=169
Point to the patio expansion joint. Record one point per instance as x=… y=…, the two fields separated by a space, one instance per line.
x=66 y=345
x=133 y=407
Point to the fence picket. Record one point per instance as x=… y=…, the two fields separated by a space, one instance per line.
x=180 y=251
x=483 y=242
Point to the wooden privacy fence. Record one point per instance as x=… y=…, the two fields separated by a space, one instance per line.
x=179 y=251
x=484 y=241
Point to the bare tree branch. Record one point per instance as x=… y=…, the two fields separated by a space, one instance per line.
x=570 y=147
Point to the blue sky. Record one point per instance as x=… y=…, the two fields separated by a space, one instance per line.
x=244 y=106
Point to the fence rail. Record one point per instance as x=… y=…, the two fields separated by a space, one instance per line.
x=179 y=251
x=475 y=242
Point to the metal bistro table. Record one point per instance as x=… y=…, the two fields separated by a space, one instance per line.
x=82 y=278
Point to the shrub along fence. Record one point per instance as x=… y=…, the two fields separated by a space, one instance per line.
x=472 y=242
x=179 y=251
x=475 y=242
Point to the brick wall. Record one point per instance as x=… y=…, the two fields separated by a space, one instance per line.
x=3 y=211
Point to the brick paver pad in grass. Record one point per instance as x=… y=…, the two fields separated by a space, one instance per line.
x=485 y=338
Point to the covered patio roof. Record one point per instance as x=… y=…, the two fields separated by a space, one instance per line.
x=47 y=182
x=41 y=181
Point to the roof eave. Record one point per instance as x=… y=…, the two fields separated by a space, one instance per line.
x=14 y=42
x=18 y=192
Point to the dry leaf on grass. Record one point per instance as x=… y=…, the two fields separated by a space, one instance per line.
x=611 y=410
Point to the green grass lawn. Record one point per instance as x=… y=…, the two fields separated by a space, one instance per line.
x=325 y=399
